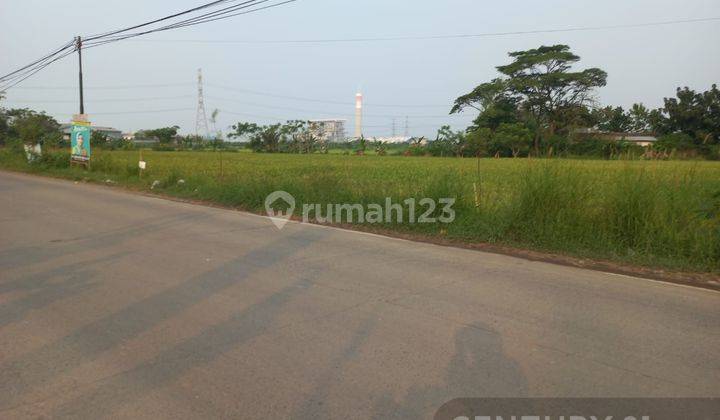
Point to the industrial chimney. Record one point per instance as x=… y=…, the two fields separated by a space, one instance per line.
x=358 y=114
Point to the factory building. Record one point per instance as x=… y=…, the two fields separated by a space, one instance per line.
x=329 y=130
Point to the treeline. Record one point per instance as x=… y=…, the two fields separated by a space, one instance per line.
x=24 y=126
x=291 y=137
x=19 y=126
x=539 y=106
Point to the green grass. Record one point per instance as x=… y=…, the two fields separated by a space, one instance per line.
x=662 y=214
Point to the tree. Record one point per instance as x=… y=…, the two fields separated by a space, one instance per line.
x=3 y=121
x=361 y=146
x=244 y=130
x=380 y=147
x=494 y=102
x=29 y=126
x=294 y=137
x=640 y=118
x=610 y=119
x=98 y=139
x=692 y=113
x=297 y=137
x=680 y=142
x=260 y=138
x=213 y=121
x=447 y=142
x=635 y=120
x=217 y=140
x=513 y=137
x=540 y=82
x=475 y=143
x=164 y=135
x=3 y=126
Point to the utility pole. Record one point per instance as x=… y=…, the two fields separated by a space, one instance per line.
x=78 y=44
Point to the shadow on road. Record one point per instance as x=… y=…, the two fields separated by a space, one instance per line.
x=89 y=342
x=479 y=368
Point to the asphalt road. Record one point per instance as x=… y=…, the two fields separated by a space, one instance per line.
x=116 y=305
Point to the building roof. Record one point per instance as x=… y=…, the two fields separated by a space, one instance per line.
x=67 y=126
x=628 y=136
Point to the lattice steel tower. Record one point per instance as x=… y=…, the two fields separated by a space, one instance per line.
x=201 y=124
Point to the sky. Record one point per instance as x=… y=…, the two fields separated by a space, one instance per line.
x=151 y=81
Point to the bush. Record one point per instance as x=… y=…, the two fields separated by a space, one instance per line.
x=680 y=142
x=54 y=159
x=163 y=148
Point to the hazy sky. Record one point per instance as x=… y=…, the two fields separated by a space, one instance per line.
x=421 y=77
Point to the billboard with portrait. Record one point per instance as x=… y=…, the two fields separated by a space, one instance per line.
x=80 y=142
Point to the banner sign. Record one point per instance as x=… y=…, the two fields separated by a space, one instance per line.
x=80 y=141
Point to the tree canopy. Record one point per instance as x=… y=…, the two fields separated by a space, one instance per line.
x=164 y=135
x=537 y=87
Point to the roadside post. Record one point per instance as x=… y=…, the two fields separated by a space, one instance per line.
x=141 y=165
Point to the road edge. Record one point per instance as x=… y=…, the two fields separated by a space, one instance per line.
x=709 y=281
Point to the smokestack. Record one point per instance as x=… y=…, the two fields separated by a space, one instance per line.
x=358 y=114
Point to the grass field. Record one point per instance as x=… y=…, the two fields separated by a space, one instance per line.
x=663 y=214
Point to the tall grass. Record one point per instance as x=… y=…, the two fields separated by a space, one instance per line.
x=655 y=213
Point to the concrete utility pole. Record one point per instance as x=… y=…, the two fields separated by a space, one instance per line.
x=78 y=44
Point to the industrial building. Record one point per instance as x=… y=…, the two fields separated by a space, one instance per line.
x=329 y=130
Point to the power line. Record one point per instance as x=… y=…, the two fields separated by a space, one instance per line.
x=156 y=111
x=336 y=114
x=31 y=101
x=439 y=37
x=12 y=81
x=120 y=87
x=206 y=18
x=204 y=6
x=322 y=101
x=13 y=78
x=38 y=61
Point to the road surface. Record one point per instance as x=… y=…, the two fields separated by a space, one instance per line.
x=116 y=305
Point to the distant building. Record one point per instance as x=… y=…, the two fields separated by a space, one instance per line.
x=641 y=139
x=144 y=142
x=139 y=141
x=111 y=133
x=328 y=130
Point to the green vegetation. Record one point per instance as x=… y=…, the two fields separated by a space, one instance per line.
x=538 y=107
x=538 y=91
x=655 y=213
x=635 y=206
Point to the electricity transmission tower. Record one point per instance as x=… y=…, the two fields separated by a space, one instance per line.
x=201 y=124
x=407 y=127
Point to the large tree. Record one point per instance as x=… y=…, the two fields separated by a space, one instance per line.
x=30 y=126
x=693 y=113
x=636 y=119
x=164 y=135
x=495 y=102
x=540 y=82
